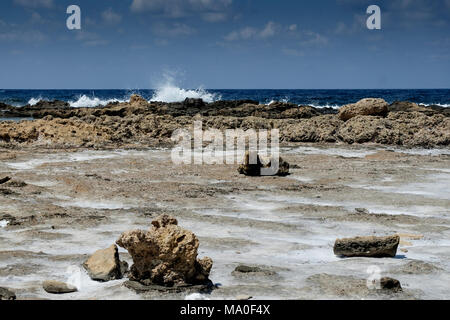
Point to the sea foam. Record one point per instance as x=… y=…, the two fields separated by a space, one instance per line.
x=172 y=93
x=91 y=102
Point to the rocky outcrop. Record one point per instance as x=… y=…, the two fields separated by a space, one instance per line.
x=376 y=247
x=253 y=166
x=7 y=294
x=152 y=124
x=387 y=283
x=364 y=107
x=104 y=265
x=166 y=255
x=57 y=287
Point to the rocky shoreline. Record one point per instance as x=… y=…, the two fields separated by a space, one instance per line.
x=141 y=123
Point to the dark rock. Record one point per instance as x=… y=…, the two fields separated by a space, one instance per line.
x=390 y=284
x=7 y=294
x=376 y=247
x=4 y=180
x=57 y=287
x=193 y=103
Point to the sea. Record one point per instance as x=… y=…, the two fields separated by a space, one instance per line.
x=317 y=98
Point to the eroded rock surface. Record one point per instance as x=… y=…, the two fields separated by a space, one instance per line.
x=253 y=166
x=364 y=107
x=58 y=287
x=165 y=255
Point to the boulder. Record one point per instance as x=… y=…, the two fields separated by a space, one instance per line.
x=104 y=264
x=7 y=294
x=243 y=270
x=193 y=103
x=165 y=255
x=376 y=247
x=254 y=169
x=57 y=287
x=364 y=107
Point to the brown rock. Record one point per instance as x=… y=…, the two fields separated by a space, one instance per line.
x=57 y=287
x=376 y=247
x=364 y=107
x=255 y=169
x=104 y=264
x=165 y=255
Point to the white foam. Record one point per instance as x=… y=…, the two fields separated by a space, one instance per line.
x=34 y=101
x=4 y=223
x=172 y=93
x=91 y=102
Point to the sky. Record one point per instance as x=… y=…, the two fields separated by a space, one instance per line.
x=224 y=44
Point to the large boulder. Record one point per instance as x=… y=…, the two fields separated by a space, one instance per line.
x=364 y=107
x=376 y=247
x=104 y=264
x=165 y=255
x=57 y=287
x=253 y=165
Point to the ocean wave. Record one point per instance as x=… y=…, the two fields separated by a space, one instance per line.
x=90 y=102
x=34 y=101
x=333 y=106
x=436 y=104
x=171 y=93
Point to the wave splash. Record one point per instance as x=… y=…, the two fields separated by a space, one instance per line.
x=90 y=102
x=170 y=92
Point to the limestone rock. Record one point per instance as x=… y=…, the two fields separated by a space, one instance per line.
x=57 y=287
x=7 y=294
x=376 y=247
x=249 y=168
x=165 y=255
x=104 y=264
x=364 y=107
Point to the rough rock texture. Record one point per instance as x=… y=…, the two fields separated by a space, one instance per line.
x=165 y=255
x=142 y=123
x=364 y=107
x=104 y=264
x=376 y=247
x=243 y=270
x=7 y=294
x=254 y=169
x=57 y=287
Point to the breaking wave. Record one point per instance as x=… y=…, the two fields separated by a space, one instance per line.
x=172 y=93
x=90 y=102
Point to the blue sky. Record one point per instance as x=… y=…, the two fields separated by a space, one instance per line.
x=225 y=44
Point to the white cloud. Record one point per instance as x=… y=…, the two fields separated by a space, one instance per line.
x=172 y=30
x=34 y=3
x=110 y=17
x=268 y=31
x=208 y=10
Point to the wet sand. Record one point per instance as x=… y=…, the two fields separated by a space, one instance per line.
x=76 y=201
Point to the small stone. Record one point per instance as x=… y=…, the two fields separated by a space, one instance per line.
x=57 y=287
x=7 y=294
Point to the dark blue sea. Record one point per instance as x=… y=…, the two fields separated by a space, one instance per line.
x=317 y=98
